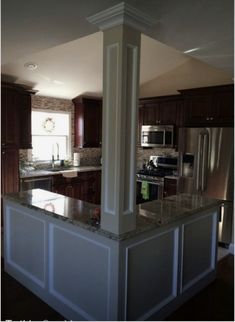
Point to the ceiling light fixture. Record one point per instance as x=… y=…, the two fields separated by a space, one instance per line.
x=191 y=50
x=30 y=66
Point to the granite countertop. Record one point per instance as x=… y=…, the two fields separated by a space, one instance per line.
x=172 y=177
x=44 y=172
x=149 y=215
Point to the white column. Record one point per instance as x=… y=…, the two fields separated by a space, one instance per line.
x=121 y=59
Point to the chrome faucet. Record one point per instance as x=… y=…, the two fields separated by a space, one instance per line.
x=57 y=154
x=53 y=161
x=58 y=151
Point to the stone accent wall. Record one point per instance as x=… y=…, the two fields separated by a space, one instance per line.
x=55 y=104
x=89 y=156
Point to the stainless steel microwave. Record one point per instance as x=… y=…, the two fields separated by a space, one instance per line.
x=157 y=136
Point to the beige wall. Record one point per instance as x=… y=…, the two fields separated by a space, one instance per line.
x=190 y=74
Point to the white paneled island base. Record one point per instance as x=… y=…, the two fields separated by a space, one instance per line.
x=86 y=273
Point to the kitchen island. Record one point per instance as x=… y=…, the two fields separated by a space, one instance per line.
x=54 y=246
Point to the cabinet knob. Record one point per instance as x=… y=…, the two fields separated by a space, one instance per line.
x=208 y=119
x=211 y=118
x=3 y=152
x=3 y=144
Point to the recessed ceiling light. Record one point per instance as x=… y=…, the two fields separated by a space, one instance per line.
x=30 y=66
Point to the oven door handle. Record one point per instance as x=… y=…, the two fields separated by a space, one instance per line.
x=151 y=182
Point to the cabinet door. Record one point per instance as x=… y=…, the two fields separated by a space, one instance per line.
x=199 y=110
x=69 y=190
x=149 y=114
x=223 y=103
x=87 y=122
x=25 y=140
x=92 y=123
x=9 y=117
x=87 y=186
x=168 y=112
x=10 y=170
x=58 y=184
x=170 y=187
x=59 y=188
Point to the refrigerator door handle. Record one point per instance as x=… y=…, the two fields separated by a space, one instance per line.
x=204 y=161
x=180 y=164
x=198 y=177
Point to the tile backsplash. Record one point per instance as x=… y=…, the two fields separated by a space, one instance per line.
x=144 y=154
x=89 y=156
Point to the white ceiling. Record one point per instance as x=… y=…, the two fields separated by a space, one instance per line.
x=54 y=35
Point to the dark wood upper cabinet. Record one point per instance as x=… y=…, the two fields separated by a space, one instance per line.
x=15 y=132
x=148 y=113
x=160 y=110
x=25 y=135
x=88 y=121
x=224 y=105
x=9 y=117
x=16 y=116
x=209 y=106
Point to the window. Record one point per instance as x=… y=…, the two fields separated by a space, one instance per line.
x=51 y=135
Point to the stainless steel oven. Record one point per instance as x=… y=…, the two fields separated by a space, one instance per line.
x=155 y=188
x=152 y=176
x=44 y=183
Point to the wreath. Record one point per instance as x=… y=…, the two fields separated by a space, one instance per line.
x=49 y=124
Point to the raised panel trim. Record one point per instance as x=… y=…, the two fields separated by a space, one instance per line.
x=59 y=296
x=109 y=203
x=7 y=254
x=213 y=252
x=130 y=142
x=175 y=274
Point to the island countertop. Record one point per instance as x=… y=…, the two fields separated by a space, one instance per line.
x=149 y=215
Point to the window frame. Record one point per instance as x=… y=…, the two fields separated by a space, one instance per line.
x=53 y=111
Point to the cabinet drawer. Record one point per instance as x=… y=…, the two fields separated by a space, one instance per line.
x=170 y=187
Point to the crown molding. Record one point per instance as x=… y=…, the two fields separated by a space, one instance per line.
x=122 y=14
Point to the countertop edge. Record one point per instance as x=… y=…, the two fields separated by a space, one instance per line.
x=148 y=222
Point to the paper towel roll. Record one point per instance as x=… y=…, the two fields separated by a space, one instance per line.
x=76 y=159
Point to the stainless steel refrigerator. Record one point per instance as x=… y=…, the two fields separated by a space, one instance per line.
x=206 y=166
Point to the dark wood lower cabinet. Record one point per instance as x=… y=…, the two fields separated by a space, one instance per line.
x=10 y=170
x=86 y=186
x=170 y=187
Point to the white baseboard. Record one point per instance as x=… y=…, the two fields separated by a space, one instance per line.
x=231 y=249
